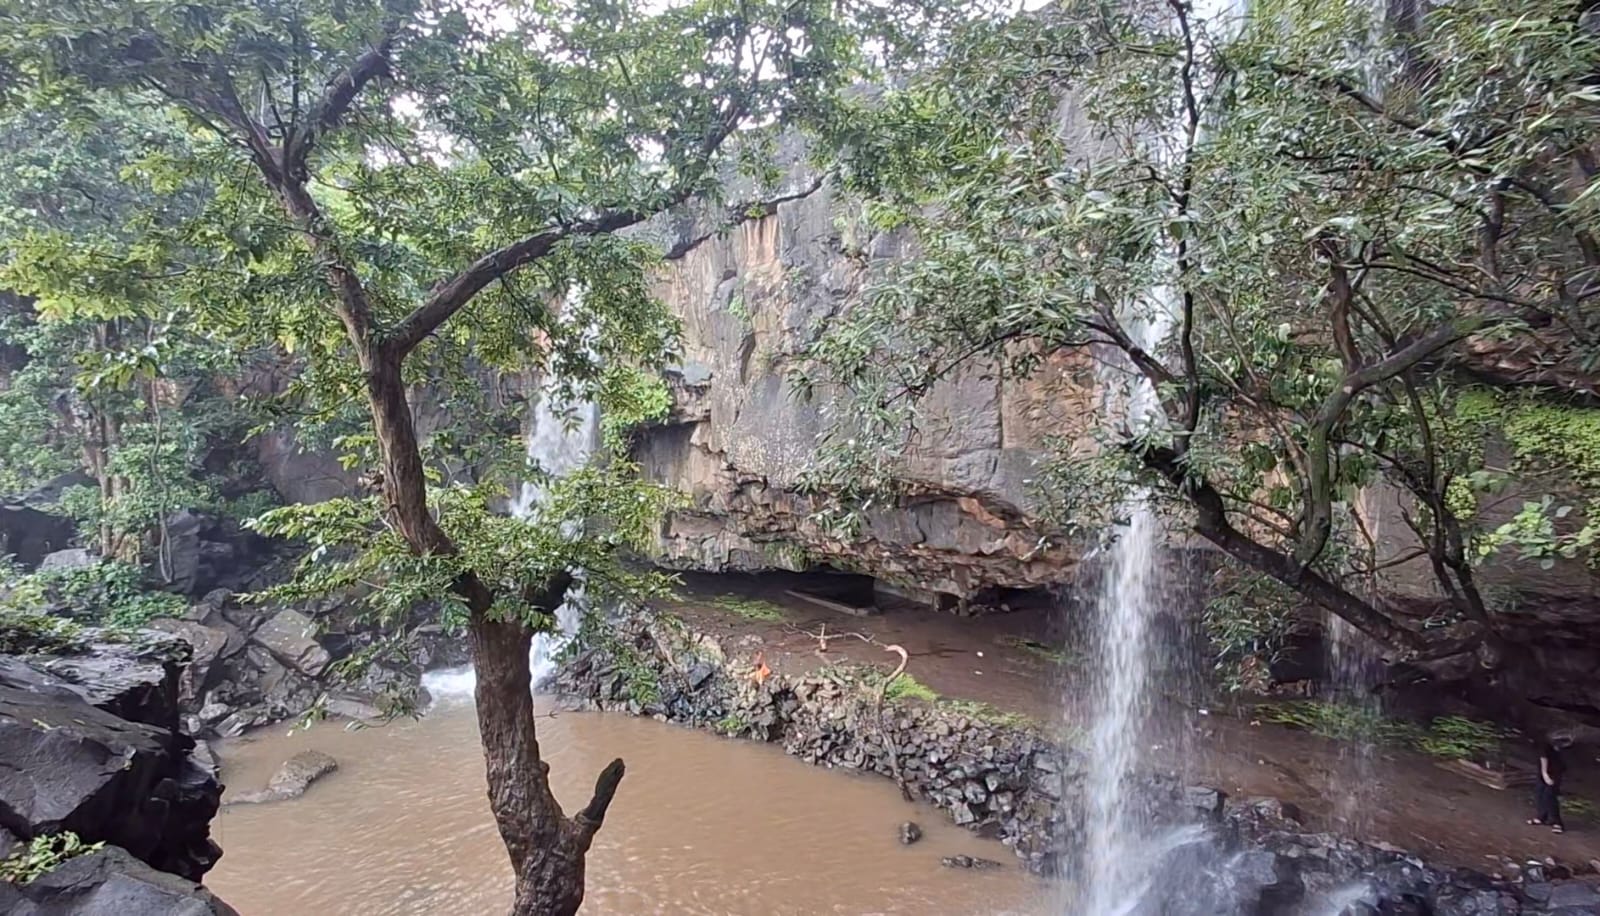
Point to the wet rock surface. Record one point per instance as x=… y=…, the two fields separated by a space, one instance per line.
x=292 y=779
x=109 y=882
x=1004 y=778
x=92 y=747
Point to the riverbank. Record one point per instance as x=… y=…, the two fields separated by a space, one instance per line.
x=1013 y=662
x=989 y=768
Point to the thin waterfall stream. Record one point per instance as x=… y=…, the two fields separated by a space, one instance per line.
x=1121 y=858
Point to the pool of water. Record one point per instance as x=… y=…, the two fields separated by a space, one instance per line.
x=701 y=825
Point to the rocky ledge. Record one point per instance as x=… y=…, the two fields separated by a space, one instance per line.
x=1003 y=777
x=90 y=744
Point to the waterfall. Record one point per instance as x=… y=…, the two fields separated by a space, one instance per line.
x=1350 y=660
x=1121 y=858
x=1114 y=869
x=561 y=437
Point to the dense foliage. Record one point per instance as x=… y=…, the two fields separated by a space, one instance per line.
x=414 y=191
x=1305 y=229
x=120 y=387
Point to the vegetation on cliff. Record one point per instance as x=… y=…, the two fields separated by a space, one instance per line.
x=1337 y=216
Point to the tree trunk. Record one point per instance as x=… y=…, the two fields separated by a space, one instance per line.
x=546 y=848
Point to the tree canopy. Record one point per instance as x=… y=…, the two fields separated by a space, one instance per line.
x=1344 y=220
x=407 y=191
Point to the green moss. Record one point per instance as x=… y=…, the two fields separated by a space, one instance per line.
x=749 y=608
x=987 y=713
x=906 y=687
x=1036 y=648
x=23 y=633
x=1580 y=808
x=731 y=724
x=1563 y=438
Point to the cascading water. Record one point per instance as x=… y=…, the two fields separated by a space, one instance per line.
x=1120 y=857
x=1350 y=662
x=561 y=437
x=1112 y=868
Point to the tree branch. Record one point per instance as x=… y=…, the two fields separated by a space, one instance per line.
x=740 y=214
x=593 y=815
x=1211 y=523
x=1319 y=483
x=336 y=99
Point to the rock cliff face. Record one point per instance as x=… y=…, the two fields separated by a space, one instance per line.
x=740 y=435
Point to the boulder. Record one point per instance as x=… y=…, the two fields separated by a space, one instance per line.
x=137 y=680
x=208 y=645
x=1205 y=800
x=67 y=765
x=287 y=635
x=973 y=862
x=109 y=882
x=910 y=832
x=292 y=779
x=207 y=552
x=30 y=534
x=69 y=559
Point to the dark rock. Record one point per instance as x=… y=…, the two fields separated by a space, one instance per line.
x=355 y=707
x=1274 y=809
x=208 y=552
x=288 y=636
x=910 y=832
x=698 y=675
x=67 y=765
x=109 y=882
x=29 y=533
x=1574 y=894
x=292 y=779
x=1205 y=800
x=208 y=645
x=136 y=680
x=969 y=862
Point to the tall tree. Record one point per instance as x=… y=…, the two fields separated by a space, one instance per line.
x=1335 y=215
x=119 y=386
x=402 y=184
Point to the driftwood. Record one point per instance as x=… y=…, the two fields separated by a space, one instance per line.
x=851 y=609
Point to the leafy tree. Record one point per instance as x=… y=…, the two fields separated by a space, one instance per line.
x=120 y=385
x=401 y=188
x=1335 y=219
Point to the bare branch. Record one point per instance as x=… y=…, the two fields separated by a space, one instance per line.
x=336 y=99
x=593 y=815
x=739 y=214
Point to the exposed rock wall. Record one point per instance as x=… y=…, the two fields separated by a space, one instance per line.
x=740 y=435
x=1002 y=777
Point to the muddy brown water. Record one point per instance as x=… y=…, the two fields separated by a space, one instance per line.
x=701 y=825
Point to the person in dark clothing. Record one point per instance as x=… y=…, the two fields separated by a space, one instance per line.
x=1547 y=787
